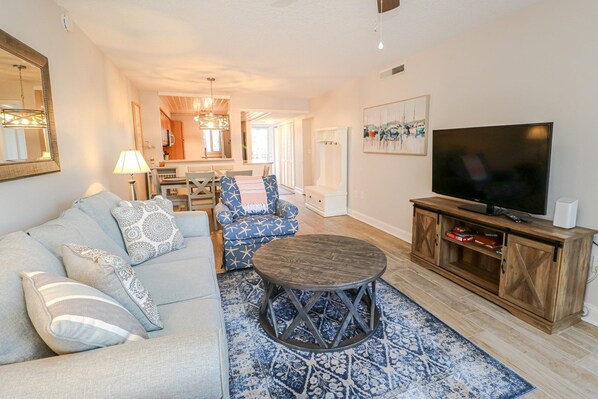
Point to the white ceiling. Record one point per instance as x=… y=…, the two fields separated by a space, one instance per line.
x=298 y=48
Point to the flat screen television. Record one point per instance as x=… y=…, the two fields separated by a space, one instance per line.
x=498 y=166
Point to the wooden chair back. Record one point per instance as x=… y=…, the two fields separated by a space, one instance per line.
x=201 y=191
x=266 y=170
x=233 y=173
x=221 y=170
x=156 y=187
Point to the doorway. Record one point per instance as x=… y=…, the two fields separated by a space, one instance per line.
x=269 y=138
x=284 y=159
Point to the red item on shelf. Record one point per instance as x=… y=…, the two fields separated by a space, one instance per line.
x=454 y=236
x=460 y=229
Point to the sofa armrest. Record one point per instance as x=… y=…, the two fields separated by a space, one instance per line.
x=193 y=224
x=223 y=214
x=176 y=366
x=286 y=210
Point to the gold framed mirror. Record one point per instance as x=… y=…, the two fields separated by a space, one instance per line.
x=28 y=145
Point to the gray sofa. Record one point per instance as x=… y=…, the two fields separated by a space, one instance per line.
x=188 y=358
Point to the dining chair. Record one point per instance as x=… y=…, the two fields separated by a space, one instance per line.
x=156 y=188
x=178 y=199
x=221 y=170
x=266 y=170
x=201 y=192
x=233 y=173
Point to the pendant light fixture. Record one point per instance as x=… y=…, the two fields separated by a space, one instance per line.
x=211 y=120
x=23 y=118
x=382 y=7
x=380 y=44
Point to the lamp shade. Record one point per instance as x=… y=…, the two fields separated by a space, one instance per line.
x=131 y=161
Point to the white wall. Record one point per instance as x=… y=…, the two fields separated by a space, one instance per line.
x=92 y=111
x=538 y=65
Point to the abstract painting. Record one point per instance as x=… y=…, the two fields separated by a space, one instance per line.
x=397 y=128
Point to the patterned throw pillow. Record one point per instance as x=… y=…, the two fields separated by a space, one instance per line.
x=114 y=277
x=148 y=228
x=232 y=198
x=73 y=317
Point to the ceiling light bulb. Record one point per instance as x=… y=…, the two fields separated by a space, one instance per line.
x=380 y=45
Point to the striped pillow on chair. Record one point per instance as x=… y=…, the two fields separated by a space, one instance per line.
x=73 y=317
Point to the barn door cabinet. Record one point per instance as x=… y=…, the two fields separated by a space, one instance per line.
x=536 y=271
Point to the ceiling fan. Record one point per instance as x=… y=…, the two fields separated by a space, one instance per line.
x=387 y=5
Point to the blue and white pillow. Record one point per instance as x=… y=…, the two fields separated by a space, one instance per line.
x=148 y=228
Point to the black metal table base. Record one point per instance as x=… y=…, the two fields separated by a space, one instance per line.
x=365 y=293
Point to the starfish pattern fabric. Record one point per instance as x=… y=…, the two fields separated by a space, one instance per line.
x=244 y=234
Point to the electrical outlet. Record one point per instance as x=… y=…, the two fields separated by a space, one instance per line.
x=595 y=263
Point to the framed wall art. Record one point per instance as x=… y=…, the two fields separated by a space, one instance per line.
x=137 y=127
x=397 y=128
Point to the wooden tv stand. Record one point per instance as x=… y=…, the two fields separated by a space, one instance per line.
x=540 y=276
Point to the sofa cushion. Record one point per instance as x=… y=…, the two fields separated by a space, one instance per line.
x=177 y=278
x=257 y=226
x=74 y=226
x=73 y=317
x=98 y=208
x=193 y=316
x=232 y=199
x=149 y=229
x=113 y=276
x=183 y=317
x=195 y=247
x=19 y=253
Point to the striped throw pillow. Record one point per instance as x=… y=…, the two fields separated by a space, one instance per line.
x=73 y=317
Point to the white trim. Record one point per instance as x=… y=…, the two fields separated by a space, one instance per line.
x=385 y=227
x=592 y=316
x=299 y=190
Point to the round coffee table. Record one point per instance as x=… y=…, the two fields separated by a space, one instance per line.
x=320 y=264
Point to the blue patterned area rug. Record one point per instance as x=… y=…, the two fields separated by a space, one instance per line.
x=411 y=355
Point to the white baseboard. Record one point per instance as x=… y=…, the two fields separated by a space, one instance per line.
x=592 y=316
x=299 y=190
x=385 y=227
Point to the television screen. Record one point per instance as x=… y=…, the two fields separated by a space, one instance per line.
x=502 y=166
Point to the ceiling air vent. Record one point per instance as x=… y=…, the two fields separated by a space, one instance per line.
x=392 y=71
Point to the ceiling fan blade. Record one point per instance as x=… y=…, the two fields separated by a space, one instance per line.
x=388 y=5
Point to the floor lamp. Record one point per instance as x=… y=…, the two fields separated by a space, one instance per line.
x=131 y=162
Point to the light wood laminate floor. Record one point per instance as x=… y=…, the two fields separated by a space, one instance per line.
x=563 y=365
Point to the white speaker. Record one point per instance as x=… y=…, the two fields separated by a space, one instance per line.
x=565 y=213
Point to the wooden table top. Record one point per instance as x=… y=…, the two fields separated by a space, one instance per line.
x=319 y=262
x=173 y=181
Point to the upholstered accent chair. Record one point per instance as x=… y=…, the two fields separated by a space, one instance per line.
x=244 y=233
